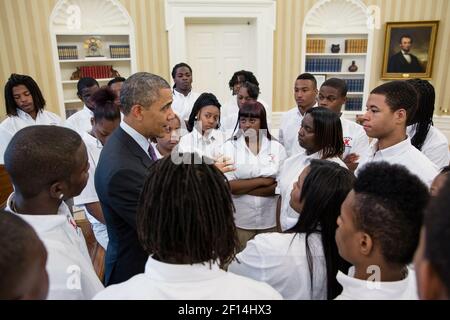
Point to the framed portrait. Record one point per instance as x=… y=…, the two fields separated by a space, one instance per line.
x=409 y=49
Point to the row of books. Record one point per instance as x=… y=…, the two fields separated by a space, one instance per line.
x=323 y=65
x=315 y=45
x=354 y=104
x=355 y=85
x=119 y=51
x=67 y=52
x=356 y=46
x=96 y=72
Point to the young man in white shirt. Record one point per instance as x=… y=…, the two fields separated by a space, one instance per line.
x=378 y=232
x=332 y=95
x=432 y=258
x=186 y=226
x=183 y=96
x=106 y=119
x=305 y=94
x=24 y=106
x=22 y=260
x=47 y=165
x=80 y=121
x=389 y=108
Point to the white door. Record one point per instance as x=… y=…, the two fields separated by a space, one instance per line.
x=216 y=50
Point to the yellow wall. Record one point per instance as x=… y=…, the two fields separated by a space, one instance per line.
x=290 y=15
x=25 y=42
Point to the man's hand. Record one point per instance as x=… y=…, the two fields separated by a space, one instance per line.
x=224 y=164
x=351 y=161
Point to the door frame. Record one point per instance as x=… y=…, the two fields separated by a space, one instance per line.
x=262 y=11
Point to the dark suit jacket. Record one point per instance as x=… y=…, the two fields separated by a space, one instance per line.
x=119 y=178
x=398 y=64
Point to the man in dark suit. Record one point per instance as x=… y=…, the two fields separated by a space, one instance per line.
x=404 y=61
x=122 y=169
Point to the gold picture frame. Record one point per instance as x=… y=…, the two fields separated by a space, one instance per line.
x=409 y=49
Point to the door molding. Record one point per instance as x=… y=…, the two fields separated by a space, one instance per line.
x=263 y=11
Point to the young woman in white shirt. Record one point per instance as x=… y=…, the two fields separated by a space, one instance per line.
x=257 y=158
x=203 y=124
x=424 y=136
x=185 y=223
x=48 y=165
x=164 y=146
x=320 y=136
x=302 y=262
x=106 y=119
x=25 y=105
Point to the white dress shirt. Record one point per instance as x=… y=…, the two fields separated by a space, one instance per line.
x=80 y=121
x=289 y=128
x=210 y=145
x=355 y=139
x=403 y=153
x=253 y=212
x=163 y=281
x=356 y=289
x=70 y=270
x=12 y=124
x=5 y=138
x=289 y=173
x=89 y=194
x=280 y=260
x=435 y=146
x=182 y=104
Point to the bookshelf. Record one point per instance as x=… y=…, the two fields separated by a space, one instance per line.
x=323 y=31
x=104 y=20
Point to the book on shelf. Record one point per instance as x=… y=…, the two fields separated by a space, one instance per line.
x=355 y=85
x=355 y=45
x=119 y=51
x=315 y=45
x=67 y=52
x=323 y=65
x=354 y=104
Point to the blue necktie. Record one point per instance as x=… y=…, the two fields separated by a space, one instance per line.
x=151 y=152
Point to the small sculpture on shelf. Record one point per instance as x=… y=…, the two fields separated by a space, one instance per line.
x=93 y=46
x=353 y=67
x=335 y=48
x=76 y=75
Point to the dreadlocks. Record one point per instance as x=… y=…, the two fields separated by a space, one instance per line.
x=423 y=119
x=185 y=213
x=19 y=79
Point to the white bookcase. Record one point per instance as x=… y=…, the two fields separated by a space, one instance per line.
x=73 y=22
x=333 y=22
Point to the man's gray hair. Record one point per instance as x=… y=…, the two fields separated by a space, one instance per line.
x=141 y=88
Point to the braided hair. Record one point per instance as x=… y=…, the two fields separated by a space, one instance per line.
x=423 y=119
x=185 y=212
x=19 y=79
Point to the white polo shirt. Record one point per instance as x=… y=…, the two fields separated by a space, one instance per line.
x=164 y=281
x=182 y=104
x=210 y=145
x=280 y=260
x=289 y=173
x=89 y=194
x=355 y=139
x=435 y=146
x=403 y=153
x=70 y=270
x=12 y=124
x=5 y=138
x=80 y=121
x=253 y=212
x=356 y=289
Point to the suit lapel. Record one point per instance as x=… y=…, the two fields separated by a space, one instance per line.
x=134 y=147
